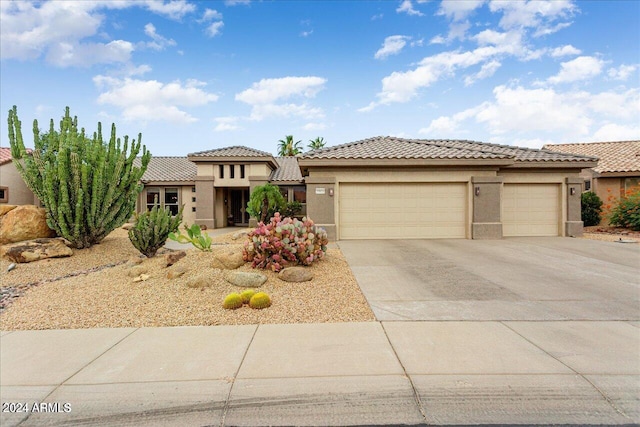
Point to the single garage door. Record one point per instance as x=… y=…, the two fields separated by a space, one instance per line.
x=530 y=209
x=402 y=210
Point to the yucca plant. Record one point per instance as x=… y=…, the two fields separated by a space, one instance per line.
x=152 y=228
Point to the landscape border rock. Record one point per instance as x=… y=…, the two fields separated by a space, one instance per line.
x=36 y=249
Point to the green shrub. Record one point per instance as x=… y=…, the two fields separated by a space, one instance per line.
x=265 y=201
x=292 y=209
x=88 y=186
x=627 y=212
x=152 y=228
x=195 y=236
x=283 y=241
x=591 y=208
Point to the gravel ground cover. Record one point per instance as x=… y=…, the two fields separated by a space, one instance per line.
x=102 y=295
x=610 y=234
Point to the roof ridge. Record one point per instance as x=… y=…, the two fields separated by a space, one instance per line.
x=592 y=143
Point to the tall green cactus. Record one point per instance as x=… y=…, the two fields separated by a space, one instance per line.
x=88 y=187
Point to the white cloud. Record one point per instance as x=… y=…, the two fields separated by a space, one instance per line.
x=87 y=54
x=532 y=13
x=457 y=10
x=236 y=2
x=314 y=126
x=211 y=15
x=392 y=45
x=228 y=123
x=150 y=100
x=407 y=7
x=566 y=50
x=266 y=96
x=487 y=70
x=159 y=42
x=174 y=9
x=306 y=33
x=378 y=16
x=214 y=29
x=580 y=68
x=622 y=72
x=616 y=132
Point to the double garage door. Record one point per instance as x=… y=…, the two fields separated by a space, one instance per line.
x=403 y=210
x=439 y=210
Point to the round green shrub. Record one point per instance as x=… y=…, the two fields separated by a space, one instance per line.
x=591 y=208
x=246 y=295
x=232 y=301
x=627 y=212
x=260 y=300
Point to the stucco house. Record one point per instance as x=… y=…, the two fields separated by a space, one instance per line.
x=13 y=190
x=618 y=168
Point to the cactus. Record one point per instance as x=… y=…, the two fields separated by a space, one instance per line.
x=232 y=301
x=260 y=300
x=195 y=236
x=88 y=187
x=246 y=295
x=151 y=229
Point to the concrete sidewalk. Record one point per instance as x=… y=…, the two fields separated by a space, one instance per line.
x=326 y=374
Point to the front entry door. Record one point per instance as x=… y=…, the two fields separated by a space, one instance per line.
x=239 y=200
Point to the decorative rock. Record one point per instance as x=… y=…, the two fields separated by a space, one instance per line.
x=136 y=271
x=12 y=266
x=135 y=260
x=127 y=226
x=173 y=257
x=22 y=223
x=239 y=234
x=37 y=249
x=227 y=260
x=141 y=278
x=6 y=208
x=295 y=274
x=200 y=281
x=176 y=271
x=245 y=280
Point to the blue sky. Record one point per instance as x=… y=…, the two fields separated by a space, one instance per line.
x=197 y=75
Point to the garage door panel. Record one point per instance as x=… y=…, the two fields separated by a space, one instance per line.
x=530 y=209
x=403 y=210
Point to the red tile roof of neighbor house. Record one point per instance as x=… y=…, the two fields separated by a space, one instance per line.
x=5 y=155
x=617 y=156
x=387 y=147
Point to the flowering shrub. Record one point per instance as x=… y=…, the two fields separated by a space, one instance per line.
x=285 y=240
x=627 y=212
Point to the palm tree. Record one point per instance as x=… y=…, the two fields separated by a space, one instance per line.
x=287 y=147
x=316 y=144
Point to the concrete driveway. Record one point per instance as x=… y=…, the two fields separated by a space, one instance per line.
x=535 y=279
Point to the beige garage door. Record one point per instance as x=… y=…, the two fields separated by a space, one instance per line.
x=402 y=211
x=530 y=209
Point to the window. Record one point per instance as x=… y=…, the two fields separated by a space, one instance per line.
x=285 y=192
x=171 y=200
x=232 y=171
x=300 y=194
x=193 y=199
x=587 y=185
x=4 y=194
x=242 y=171
x=153 y=197
x=631 y=183
x=193 y=209
x=193 y=189
x=221 y=168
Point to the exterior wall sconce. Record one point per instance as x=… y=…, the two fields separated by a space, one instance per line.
x=331 y=192
x=572 y=191
x=477 y=191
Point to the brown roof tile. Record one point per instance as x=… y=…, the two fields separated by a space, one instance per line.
x=168 y=169
x=618 y=156
x=235 y=151
x=5 y=155
x=288 y=170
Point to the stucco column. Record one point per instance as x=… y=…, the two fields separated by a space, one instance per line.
x=573 y=226
x=205 y=201
x=256 y=181
x=487 y=207
x=321 y=202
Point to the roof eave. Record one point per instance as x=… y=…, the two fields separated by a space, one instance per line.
x=234 y=159
x=559 y=164
x=174 y=182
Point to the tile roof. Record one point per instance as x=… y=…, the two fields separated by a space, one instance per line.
x=168 y=169
x=5 y=155
x=235 y=151
x=387 y=147
x=618 y=156
x=288 y=170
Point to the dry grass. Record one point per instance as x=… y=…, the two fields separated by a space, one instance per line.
x=110 y=298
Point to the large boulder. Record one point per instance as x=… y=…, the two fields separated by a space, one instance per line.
x=26 y=222
x=245 y=280
x=37 y=249
x=227 y=259
x=6 y=208
x=295 y=274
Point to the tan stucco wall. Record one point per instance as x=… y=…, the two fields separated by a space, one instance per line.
x=19 y=193
x=250 y=169
x=185 y=198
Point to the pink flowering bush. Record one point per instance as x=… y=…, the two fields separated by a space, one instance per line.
x=285 y=241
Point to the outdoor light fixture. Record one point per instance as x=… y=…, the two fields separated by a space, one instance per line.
x=572 y=191
x=477 y=191
x=331 y=192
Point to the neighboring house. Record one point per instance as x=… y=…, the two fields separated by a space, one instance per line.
x=618 y=168
x=13 y=190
